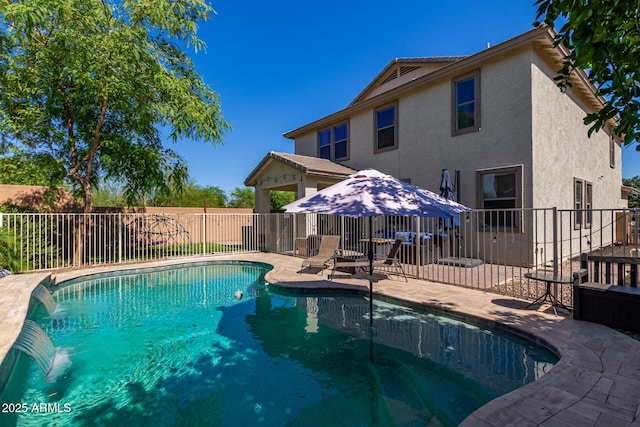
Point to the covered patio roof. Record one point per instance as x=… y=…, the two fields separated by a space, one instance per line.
x=304 y=175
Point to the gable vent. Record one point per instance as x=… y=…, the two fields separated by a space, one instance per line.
x=392 y=76
x=406 y=70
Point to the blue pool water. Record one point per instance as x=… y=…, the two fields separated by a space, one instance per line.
x=175 y=347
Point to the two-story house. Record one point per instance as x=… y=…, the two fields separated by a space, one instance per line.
x=496 y=120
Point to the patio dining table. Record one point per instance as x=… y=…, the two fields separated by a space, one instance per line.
x=382 y=245
x=550 y=279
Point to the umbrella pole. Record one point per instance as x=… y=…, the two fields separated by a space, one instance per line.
x=370 y=255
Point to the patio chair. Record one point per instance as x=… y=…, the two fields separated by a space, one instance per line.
x=326 y=252
x=392 y=259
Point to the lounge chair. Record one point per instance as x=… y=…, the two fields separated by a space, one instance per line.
x=326 y=252
x=392 y=259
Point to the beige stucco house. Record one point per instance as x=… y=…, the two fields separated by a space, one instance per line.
x=498 y=112
x=496 y=120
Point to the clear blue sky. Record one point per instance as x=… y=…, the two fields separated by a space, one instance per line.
x=281 y=64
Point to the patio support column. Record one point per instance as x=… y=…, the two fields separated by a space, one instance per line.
x=263 y=204
x=307 y=187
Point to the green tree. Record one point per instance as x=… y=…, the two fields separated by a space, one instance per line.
x=280 y=198
x=245 y=198
x=242 y=198
x=9 y=259
x=603 y=38
x=191 y=196
x=36 y=169
x=19 y=168
x=92 y=81
x=109 y=193
x=634 y=199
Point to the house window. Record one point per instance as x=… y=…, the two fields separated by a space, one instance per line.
x=340 y=141
x=578 y=186
x=333 y=143
x=583 y=203
x=386 y=128
x=324 y=144
x=612 y=151
x=500 y=193
x=466 y=103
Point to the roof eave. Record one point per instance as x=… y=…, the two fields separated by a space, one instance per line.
x=395 y=62
x=538 y=33
x=310 y=171
x=266 y=160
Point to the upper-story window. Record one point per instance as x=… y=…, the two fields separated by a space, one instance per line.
x=333 y=142
x=324 y=144
x=386 y=127
x=466 y=103
x=340 y=142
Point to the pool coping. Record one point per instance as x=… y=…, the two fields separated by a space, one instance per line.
x=595 y=382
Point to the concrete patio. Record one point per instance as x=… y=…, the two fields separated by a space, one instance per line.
x=596 y=382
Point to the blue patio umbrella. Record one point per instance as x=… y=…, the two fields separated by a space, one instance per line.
x=371 y=193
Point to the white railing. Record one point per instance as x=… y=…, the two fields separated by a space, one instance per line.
x=484 y=249
x=54 y=241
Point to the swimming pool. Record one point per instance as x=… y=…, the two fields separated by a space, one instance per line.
x=175 y=346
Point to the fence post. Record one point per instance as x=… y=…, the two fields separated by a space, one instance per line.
x=204 y=234
x=343 y=235
x=294 y=232
x=418 y=244
x=625 y=230
x=278 y=233
x=119 y=237
x=555 y=241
